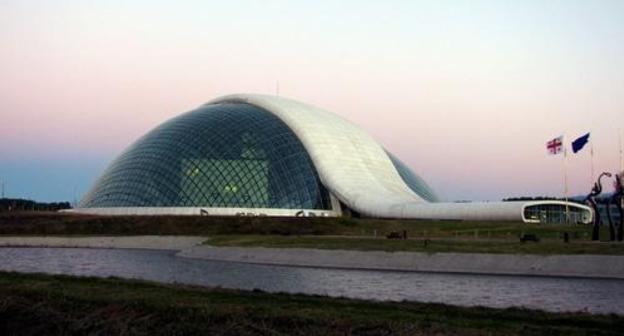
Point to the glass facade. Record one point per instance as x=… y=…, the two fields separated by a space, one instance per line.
x=413 y=181
x=219 y=155
x=555 y=214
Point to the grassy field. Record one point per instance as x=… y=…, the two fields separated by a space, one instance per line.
x=326 y=233
x=46 y=304
x=38 y=223
x=432 y=245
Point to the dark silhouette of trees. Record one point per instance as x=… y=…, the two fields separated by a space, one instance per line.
x=18 y=204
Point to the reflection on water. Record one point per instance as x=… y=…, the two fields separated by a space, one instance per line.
x=553 y=294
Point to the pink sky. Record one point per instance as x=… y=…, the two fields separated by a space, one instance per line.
x=466 y=93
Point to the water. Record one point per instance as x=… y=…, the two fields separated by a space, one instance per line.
x=551 y=294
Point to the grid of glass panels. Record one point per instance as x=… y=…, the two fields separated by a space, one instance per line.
x=219 y=155
x=555 y=214
x=413 y=181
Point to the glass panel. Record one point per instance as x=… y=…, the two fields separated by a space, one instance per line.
x=555 y=213
x=220 y=155
x=413 y=181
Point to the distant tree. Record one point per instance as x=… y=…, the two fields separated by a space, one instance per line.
x=18 y=204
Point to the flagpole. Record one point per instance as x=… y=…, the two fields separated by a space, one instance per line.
x=565 y=183
x=621 y=157
x=591 y=155
x=621 y=166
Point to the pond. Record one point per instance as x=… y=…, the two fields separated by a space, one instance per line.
x=547 y=293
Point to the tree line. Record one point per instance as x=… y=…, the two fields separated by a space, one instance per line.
x=18 y=204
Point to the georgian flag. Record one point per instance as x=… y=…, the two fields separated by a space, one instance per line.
x=555 y=146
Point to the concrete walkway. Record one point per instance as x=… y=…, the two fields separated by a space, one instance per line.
x=592 y=266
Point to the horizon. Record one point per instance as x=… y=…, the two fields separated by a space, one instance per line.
x=465 y=93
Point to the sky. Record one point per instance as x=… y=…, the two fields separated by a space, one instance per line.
x=465 y=92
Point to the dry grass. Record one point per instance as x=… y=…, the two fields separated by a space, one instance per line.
x=61 y=305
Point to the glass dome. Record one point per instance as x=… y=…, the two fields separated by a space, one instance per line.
x=220 y=155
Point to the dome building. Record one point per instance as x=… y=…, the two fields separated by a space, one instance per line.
x=266 y=155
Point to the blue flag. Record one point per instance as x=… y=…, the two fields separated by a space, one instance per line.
x=579 y=143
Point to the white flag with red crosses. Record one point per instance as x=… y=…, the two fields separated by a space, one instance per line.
x=555 y=146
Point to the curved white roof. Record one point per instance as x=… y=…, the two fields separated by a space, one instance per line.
x=350 y=163
x=356 y=169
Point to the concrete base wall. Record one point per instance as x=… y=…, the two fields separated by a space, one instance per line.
x=194 y=211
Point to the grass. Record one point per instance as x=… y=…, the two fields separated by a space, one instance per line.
x=433 y=245
x=325 y=233
x=42 y=223
x=47 y=304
